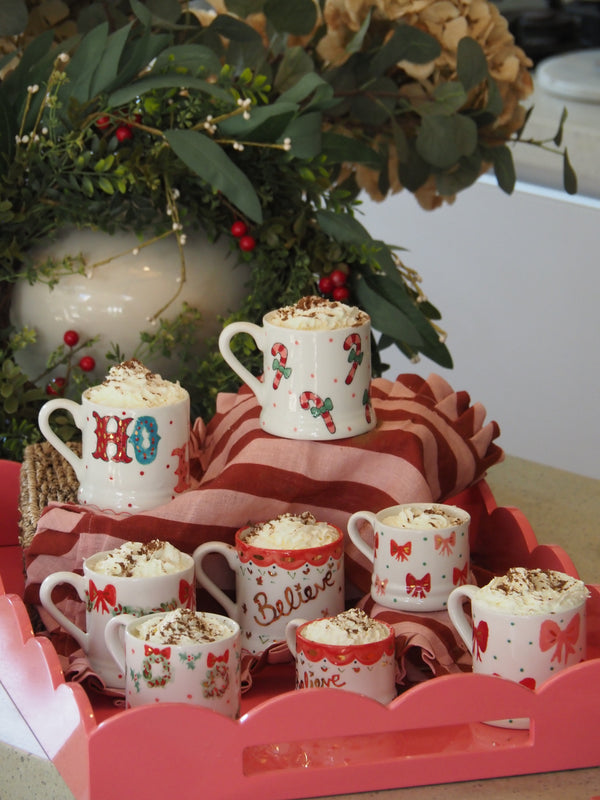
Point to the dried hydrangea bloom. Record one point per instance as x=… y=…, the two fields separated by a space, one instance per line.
x=448 y=21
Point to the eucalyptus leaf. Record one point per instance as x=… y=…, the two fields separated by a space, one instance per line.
x=471 y=63
x=298 y=18
x=191 y=57
x=295 y=66
x=386 y=317
x=345 y=148
x=211 y=163
x=305 y=133
x=266 y=123
x=495 y=103
x=356 y=42
x=172 y=80
x=558 y=136
x=19 y=78
x=108 y=69
x=569 y=175
x=343 y=228
x=375 y=105
x=310 y=87
x=504 y=167
x=234 y=29
x=83 y=64
x=449 y=98
x=441 y=141
x=7 y=131
x=406 y=44
x=459 y=178
x=139 y=55
x=243 y=8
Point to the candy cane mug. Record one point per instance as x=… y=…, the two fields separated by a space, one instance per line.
x=518 y=641
x=316 y=381
x=106 y=596
x=420 y=552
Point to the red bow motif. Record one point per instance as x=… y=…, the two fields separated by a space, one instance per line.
x=552 y=636
x=445 y=543
x=460 y=576
x=156 y=651
x=186 y=593
x=400 y=552
x=418 y=587
x=380 y=584
x=480 y=639
x=101 y=599
x=213 y=659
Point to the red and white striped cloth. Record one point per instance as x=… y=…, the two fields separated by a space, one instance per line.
x=429 y=444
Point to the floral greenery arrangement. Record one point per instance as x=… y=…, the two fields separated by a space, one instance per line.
x=258 y=121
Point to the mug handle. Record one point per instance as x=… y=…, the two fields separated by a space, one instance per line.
x=230 y=554
x=457 y=615
x=354 y=532
x=78 y=582
x=290 y=633
x=259 y=336
x=115 y=643
x=76 y=411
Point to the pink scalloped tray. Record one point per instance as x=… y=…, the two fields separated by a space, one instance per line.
x=316 y=742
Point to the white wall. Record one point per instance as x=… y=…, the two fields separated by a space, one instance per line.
x=517 y=280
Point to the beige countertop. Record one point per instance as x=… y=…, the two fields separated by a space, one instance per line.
x=547 y=497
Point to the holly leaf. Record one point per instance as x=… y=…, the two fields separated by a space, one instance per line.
x=211 y=163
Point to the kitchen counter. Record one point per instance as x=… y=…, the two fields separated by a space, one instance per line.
x=547 y=497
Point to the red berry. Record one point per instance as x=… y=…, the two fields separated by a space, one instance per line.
x=123 y=133
x=87 y=363
x=341 y=293
x=239 y=228
x=325 y=285
x=71 y=338
x=338 y=277
x=103 y=122
x=247 y=243
x=56 y=386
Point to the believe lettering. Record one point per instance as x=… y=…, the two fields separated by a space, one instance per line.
x=294 y=597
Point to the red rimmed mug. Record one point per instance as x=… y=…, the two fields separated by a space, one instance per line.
x=367 y=668
x=272 y=585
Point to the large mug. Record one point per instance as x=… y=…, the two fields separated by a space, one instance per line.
x=106 y=596
x=415 y=568
x=132 y=459
x=274 y=584
x=315 y=383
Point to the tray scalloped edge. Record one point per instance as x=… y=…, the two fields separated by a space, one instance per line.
x=315 y=742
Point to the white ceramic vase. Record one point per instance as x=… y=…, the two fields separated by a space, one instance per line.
x=116 y=300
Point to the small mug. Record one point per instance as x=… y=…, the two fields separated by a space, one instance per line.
x=106 y=596
x=315 y=382
x=273 y=584
x=368 y=669
x=132 y=459
x=199 y=673
x=525 y=648
x=414 y=569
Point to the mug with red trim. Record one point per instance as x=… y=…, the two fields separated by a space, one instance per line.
x=419 y=552
x=367 y=668
x=526 y=639
x=106 y=596
x=272 y=584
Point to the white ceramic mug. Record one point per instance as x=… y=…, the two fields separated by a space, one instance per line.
x=414 y=569
x=273 y=585
x=315 y=383
x=199 y=673
x=525 y=648
x=132 y=459
x=368 y=668
x=106 y=596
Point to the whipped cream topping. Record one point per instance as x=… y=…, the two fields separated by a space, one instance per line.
x=183 y=626
x=291 y=532
x=141 y=560
x=416 y=517
x=132 y=385
x=350 y=627
x=533 y=591
x=318 y=313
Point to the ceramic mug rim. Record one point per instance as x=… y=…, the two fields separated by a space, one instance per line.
x=340 y=650
x=136 y=410
x=391 y=510
x=231 y=623
x=164 y=575
x=302 y=331
x=241 y=544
